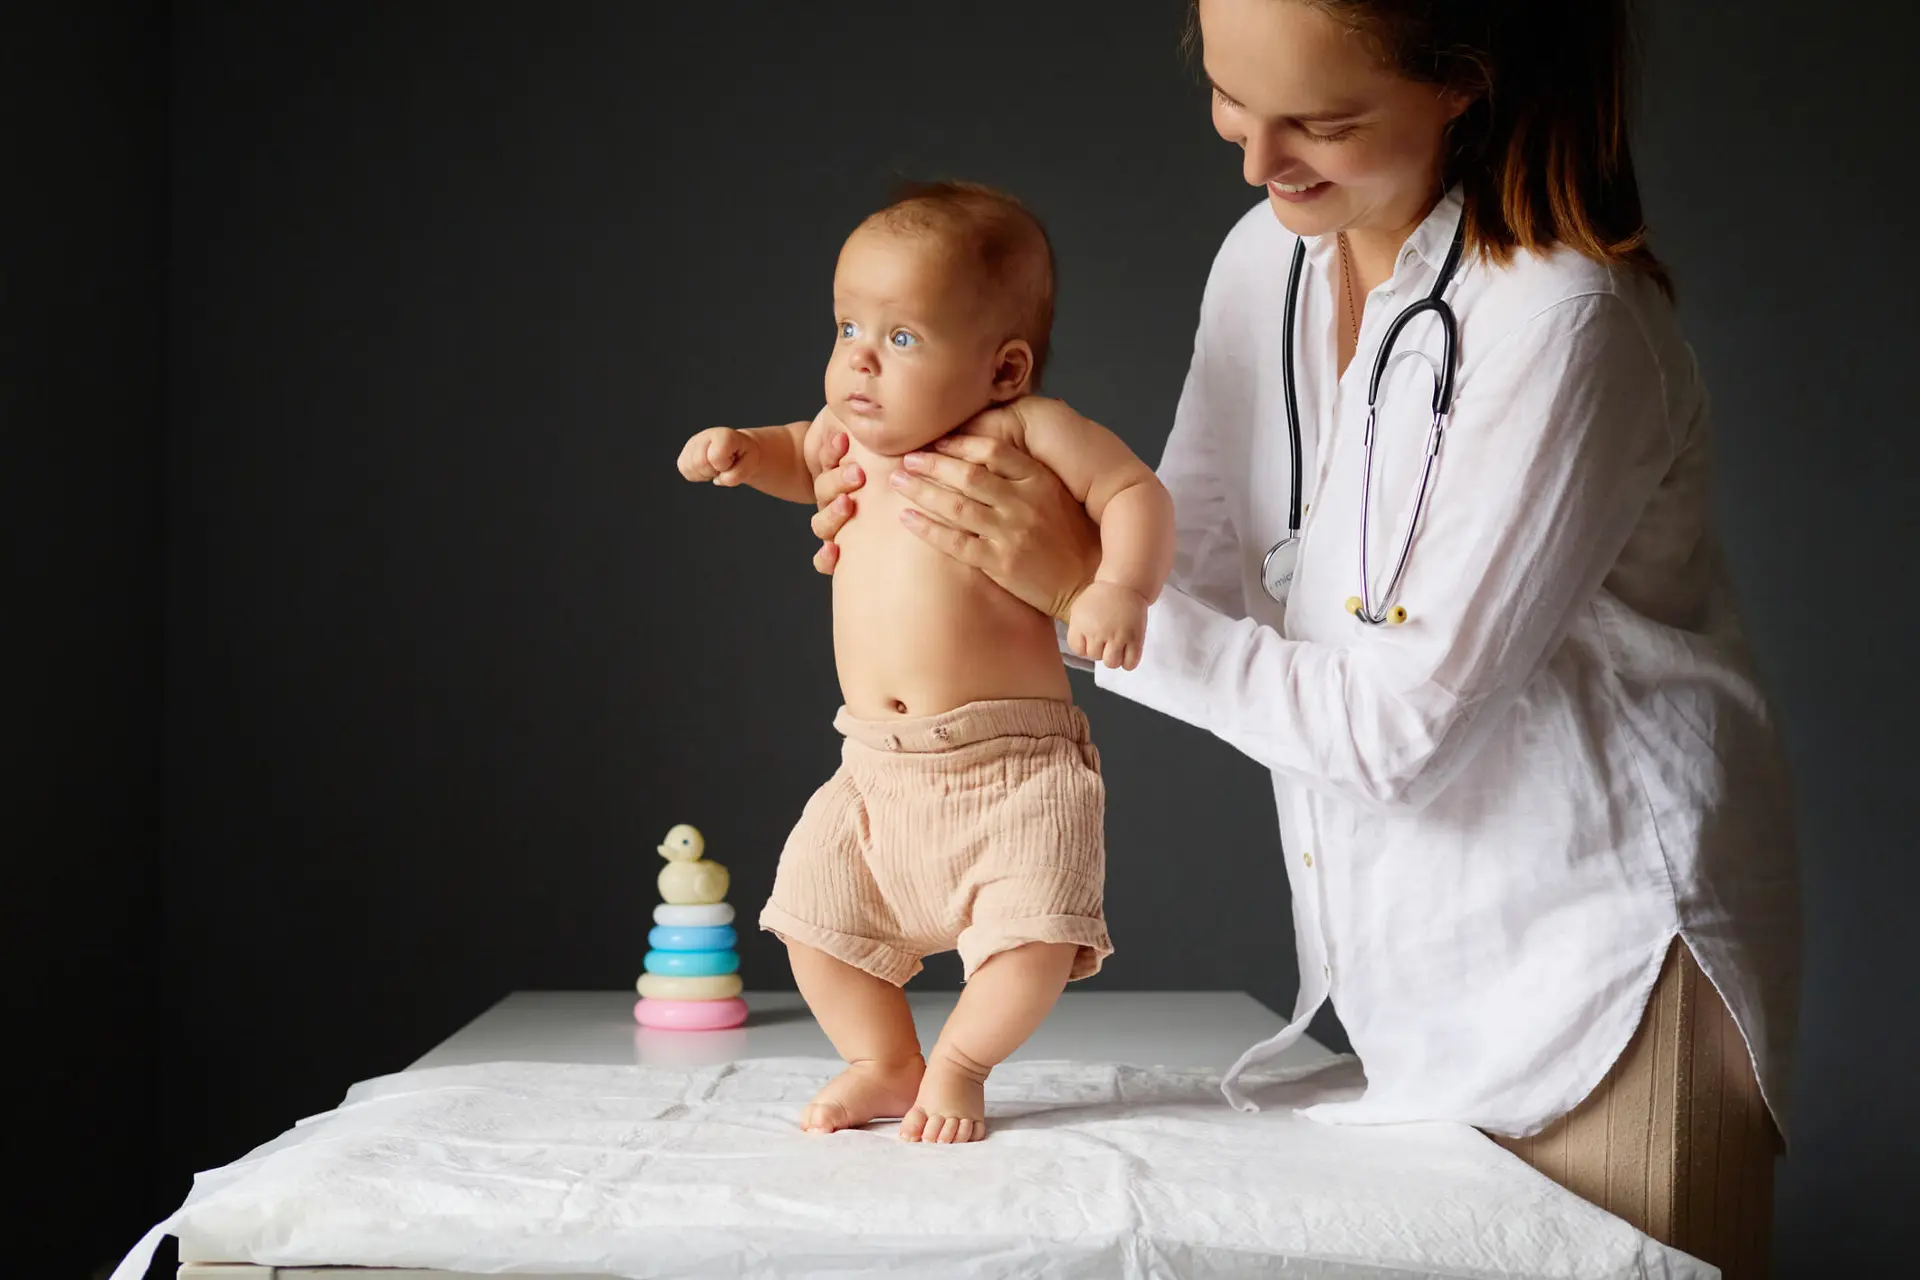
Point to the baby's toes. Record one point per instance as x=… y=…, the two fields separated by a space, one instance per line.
x=958 y=1129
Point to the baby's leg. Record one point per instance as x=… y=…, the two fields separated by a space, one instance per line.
x=871 y=1028
x=1005 y=1001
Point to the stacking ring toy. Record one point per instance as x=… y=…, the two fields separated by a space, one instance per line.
x=672 y=938
x=690 y=1015
x=714 y=913
x=691 y=964
x=664 y=986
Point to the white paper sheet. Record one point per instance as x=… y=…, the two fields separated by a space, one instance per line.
x=1090 y=1171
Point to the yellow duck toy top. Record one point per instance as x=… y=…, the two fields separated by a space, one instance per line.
x=688 y=879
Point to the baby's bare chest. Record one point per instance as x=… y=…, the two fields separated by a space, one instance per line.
x=880 y=553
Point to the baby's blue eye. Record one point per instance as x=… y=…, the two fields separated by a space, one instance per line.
x=847 y=329
x=901 y=339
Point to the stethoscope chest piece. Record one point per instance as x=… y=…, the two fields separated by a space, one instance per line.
x=1276 y=570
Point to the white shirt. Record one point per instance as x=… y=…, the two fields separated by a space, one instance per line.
x=1498 y=814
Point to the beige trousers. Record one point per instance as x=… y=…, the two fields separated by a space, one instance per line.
x=1675 y=1139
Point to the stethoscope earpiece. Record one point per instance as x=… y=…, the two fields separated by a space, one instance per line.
x=1395 y=615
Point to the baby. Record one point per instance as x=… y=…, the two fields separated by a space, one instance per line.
x=968 y=809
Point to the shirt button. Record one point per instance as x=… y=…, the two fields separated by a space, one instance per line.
x=1308 y=859
x=1325 y=972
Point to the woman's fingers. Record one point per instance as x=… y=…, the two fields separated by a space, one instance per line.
x=995 y=456
x=828 y=520
x=829 y=452
x=958 y=543
x=835 y=481
x=943 y=504
x=832 y=489
x=973 y=479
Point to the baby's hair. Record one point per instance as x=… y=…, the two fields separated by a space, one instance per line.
x=1000 y=237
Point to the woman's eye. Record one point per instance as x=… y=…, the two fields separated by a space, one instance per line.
x=848 y=329
x=901 y=340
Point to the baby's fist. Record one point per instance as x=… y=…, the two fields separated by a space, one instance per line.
x=1108 y=624
x=720 y=454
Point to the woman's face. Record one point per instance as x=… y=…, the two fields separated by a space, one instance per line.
x=1339 y=141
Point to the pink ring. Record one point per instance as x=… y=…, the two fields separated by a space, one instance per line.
x=691 y=1015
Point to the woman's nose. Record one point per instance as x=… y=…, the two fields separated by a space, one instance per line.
x=1265 y=157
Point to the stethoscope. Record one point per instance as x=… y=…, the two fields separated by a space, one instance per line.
x=1276 y=570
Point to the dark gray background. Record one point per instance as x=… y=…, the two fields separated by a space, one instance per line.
x=364 y=641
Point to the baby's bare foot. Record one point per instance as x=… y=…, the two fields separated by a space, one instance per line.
x=951 y=1106
x=865 y=1091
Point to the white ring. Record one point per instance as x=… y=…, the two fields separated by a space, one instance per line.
x=693 y=917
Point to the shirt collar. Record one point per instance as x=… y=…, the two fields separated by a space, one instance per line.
x=1433 y=238
x=1429 y=242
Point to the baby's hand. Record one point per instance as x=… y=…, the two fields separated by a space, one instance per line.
x=722 y=455
x=1108 y=623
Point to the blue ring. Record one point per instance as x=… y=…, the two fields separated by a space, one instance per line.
x=692 y=964
x=713 y=937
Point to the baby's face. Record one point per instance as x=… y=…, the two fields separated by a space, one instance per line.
x=913 y=356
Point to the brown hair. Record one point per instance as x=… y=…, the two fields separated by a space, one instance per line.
x=1542 y=155
x=1002 y=241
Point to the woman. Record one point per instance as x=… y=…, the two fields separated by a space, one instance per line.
x=1537 y=826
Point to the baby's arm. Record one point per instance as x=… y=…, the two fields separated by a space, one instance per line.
x=781 y=461
x=1135 y=515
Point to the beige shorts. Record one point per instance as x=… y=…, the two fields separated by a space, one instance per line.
x=978 y=830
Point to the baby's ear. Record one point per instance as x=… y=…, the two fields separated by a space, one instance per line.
x=1012 y=370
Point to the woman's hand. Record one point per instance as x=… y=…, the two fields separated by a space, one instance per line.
x=832 y=493
x=987 y=504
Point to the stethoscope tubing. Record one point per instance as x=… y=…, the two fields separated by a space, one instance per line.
x=1362 y=606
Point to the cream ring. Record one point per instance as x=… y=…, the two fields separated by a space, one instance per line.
x=667 y=986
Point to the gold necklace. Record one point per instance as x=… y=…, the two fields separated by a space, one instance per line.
x=1346 y=269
